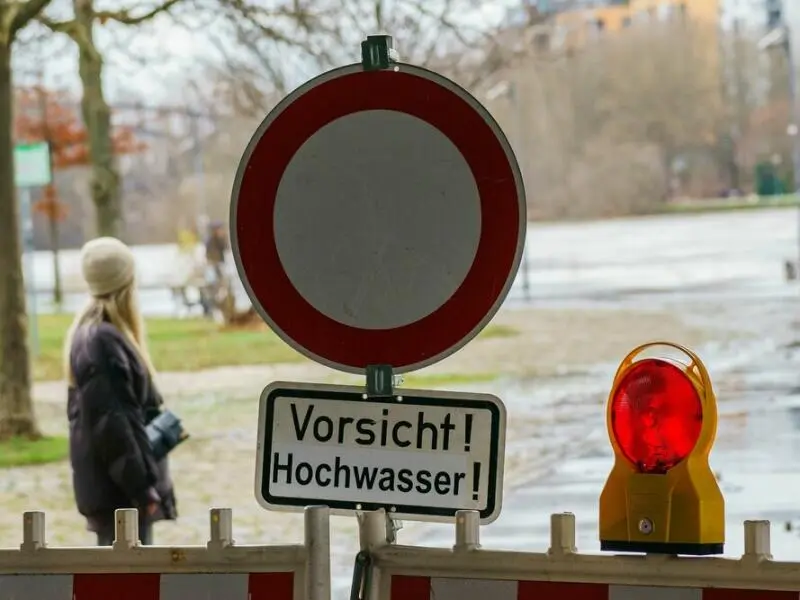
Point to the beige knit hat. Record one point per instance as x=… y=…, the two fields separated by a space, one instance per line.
x=107 y=264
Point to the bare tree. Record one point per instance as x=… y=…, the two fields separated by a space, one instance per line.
x=601 y=124
x=275 y=49
x=17 y=416
x=105 y=185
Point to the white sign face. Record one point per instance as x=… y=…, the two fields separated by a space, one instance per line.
x=32 y=165
x=371 y=241
x=420 y=455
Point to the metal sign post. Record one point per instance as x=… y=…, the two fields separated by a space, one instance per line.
x=32 y=169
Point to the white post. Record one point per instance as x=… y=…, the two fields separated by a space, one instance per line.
x=33 y=531
x=757 y=540
x=373 y=529
x=221 y=524
x=520 y=150
x=468 y=530
x=318 y=553
x=126 y=528
x=562 y=534
x=29 y=249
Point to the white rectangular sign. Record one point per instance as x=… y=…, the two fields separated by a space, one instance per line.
x=420 y=455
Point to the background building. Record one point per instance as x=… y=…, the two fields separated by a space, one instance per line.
x=583 y=21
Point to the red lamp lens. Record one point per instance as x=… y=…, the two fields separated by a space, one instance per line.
x=656 y=415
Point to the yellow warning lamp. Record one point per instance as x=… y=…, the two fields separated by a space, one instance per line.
x=662 y=496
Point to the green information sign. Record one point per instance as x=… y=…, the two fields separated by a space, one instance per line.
x=32 y=165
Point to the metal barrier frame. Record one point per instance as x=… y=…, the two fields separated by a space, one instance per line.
x=562 y=563
x=310 y=561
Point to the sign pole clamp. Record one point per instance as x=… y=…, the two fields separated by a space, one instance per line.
x=378 y=53
x=381 y=381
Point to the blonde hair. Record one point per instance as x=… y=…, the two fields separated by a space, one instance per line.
x=121 y=309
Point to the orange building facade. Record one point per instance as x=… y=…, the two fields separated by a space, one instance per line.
x=578 y=26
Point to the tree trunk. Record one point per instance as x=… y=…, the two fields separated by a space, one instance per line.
x=58 y=295
x=17 y=417
x=97 y=118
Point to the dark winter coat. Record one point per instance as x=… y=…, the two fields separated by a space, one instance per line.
x=216 y=247
x=108 y=408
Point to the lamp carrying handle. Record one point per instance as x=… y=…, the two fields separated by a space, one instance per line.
x=695 y=366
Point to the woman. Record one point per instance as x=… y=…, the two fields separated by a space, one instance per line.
x=111 y=399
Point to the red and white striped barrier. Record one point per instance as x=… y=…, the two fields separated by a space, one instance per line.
x=221 y=570
x=435 y=588
x=149 y=586
x=468 y=572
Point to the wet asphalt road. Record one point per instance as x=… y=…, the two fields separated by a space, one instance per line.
x=724 y=270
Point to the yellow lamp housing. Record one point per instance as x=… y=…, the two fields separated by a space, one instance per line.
x=680 y=511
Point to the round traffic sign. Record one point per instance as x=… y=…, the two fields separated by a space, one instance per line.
x=378 y=217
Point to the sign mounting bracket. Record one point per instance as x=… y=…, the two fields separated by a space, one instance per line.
x=380 y=381
x=378 y=53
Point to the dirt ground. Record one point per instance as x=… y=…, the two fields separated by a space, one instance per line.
x=216 y=467
x=547 y=342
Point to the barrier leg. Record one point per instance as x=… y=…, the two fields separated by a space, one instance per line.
x=468 y=530
x=33 y=531
x=374 y=529
x=757 y=540
x=318 y=548
x=221 y=525
x=126 y=528
x=562 y=534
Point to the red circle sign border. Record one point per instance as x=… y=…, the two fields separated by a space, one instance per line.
x=453 y=111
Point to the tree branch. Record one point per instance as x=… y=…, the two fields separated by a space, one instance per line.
x=73 y=30
x=66 y=27
x=26 y=13
x=124 y=16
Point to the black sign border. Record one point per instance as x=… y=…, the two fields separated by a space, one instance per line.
x=409 y=398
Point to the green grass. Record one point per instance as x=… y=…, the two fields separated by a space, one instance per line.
x=189 y=345
x=731 y=204
x=497 y=331
x=446 y=379
x=175 y=345
x=18 y=452
x=426 y=381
